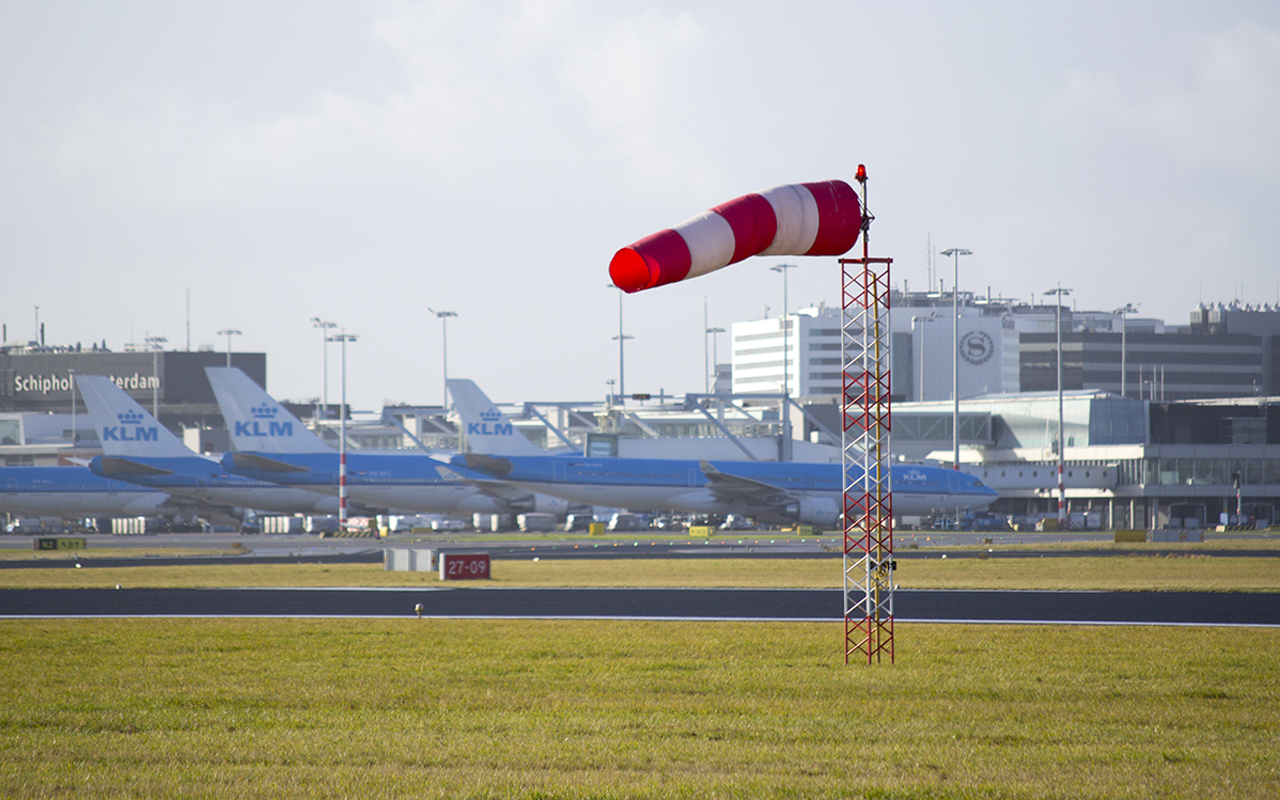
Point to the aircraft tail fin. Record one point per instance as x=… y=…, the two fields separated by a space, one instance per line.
x=124 y=427
x=486 y=430
x=256 y=422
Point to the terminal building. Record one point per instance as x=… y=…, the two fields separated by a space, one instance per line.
x=1128 y=462
x=1163 y=425
x=38 y=425
x=1162 y=422
x=1002 y=346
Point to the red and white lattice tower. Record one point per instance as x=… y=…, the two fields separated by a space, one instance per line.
x=868 y=501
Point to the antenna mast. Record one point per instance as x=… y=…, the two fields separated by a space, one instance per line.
x=868 y=501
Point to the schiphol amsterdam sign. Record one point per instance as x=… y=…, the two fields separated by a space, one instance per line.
x=44 y=384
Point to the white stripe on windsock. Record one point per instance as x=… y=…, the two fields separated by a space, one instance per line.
x=813 y=219
x=711 y=242
x=797 y=214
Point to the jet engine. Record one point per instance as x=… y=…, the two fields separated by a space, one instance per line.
x=540 y=503
x=822 y=512
x=551 y=505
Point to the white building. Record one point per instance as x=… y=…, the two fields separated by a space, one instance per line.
x=985 y=362
x=811 y=355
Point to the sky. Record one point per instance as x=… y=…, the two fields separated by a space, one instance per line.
x=369 y=163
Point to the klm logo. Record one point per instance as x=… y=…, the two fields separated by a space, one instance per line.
x=130 y=429
x=914 y=476
x=490 y=425
x=264 y=423
x=263 y=411
x=264 y=428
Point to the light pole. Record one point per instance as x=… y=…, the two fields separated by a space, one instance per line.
x=155 y=342
x=1127 y=308
x=71 y=376
x=324 y=327
x=955 y=252
x=922 y=320
x=786 y=385
x=706 y=358
x=444 y=344
x=715 y=351
x=343 y=337
x=229 y=332
x=1062 y=442
x=621 y=338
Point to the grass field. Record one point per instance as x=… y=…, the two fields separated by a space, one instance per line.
x=443 y=708
x=600 y=709
x=1134 y=572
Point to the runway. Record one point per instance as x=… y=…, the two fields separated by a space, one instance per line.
x=310 y=550
x=810 y=605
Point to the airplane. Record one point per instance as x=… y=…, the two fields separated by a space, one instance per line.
x=273 y=445
x=75 y=492
x=138 y=449
x=771 y=491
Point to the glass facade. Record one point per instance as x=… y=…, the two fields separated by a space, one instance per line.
x=1203 y=471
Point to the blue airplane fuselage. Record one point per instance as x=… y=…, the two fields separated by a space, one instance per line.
x=779 y=489
x=408 y=482
x=203 y=479
x=72 y=492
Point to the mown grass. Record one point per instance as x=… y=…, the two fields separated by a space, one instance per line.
x=1135 y=572
x=453 y=708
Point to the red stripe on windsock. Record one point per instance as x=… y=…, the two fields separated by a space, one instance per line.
x=653 y=261
x=839 y=218
x=753 y=222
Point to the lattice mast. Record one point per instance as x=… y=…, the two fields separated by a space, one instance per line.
x=868 y=500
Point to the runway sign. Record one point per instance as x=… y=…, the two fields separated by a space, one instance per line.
x=463 y=567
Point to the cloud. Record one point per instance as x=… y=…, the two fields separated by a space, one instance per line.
x=1214 y=105
x=627 y=78
x=477 y=84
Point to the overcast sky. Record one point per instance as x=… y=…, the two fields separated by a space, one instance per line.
x=364 y=162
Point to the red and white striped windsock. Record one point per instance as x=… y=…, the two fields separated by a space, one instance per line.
x=803 y=219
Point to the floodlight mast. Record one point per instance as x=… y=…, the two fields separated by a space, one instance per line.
x=325 y=326
x=229 y=332
x=955 y=252
x=156 y=343
x=868 y=501
x=343 y=337
x=444 y=359
x=1127 y=308
x=1059 y=293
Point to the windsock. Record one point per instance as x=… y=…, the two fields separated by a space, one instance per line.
x=803 y=219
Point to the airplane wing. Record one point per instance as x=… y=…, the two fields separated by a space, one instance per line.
x=264 y=464
x=493 y=464
x=502 y=491
x=115 y=465
x=734 y=487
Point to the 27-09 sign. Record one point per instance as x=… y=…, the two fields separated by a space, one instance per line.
x=464 y=567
